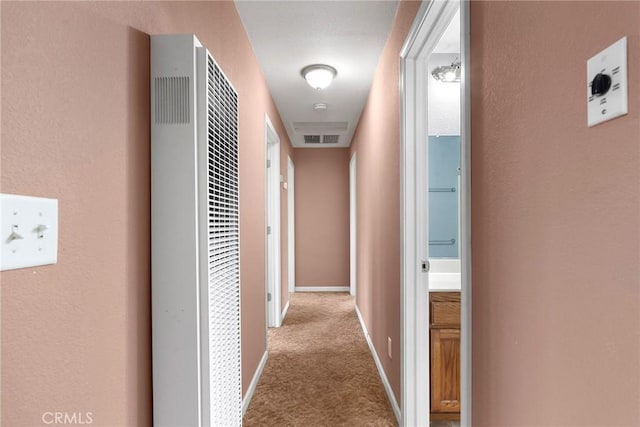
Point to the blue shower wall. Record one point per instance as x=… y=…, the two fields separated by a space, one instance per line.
x=444 y=162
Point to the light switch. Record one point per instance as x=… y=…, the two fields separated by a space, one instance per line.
x=607 y=84
x=29 y=231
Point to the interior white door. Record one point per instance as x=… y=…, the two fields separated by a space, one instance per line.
x=273 y=225
x=269 y=239
x=353 y=229
x=291 y=230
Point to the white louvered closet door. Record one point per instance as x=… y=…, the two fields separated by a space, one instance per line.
x=225 y=389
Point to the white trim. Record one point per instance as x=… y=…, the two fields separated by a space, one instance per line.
x=266 y=240
x=353 y=221
x=429 y=25
x=284 y=312
x=291 y=227
x=414 y=366
x=383 y=375
x=322 y=289
x=152 y=356
x=272 y=147
x=466 y=376
x=254 y=382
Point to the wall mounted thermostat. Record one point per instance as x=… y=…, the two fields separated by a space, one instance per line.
x=607 y=84
x=28 y=231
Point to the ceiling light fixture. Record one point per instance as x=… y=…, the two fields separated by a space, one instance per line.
x=447 y=73
x=319 y=76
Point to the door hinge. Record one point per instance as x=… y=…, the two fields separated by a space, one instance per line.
x=425 y=266
x=268 y=163
x=268 y=296
x=268 y=229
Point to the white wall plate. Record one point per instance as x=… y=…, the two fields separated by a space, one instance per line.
x=28 y=231
x=611 y=64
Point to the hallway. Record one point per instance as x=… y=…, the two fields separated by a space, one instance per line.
x=320 y=371
x=177 y=176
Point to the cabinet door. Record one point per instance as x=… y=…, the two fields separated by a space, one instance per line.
x=445 y=370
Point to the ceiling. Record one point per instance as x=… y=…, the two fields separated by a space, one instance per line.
x=450 y=41
x=289 y=35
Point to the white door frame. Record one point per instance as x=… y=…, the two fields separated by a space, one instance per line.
x=429 y=25
x=291 y=226
x=272 y=232
x=353 y=230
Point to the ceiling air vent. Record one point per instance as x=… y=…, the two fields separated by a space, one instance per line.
x=315 y=128
x=330 y=139
x=312 y=139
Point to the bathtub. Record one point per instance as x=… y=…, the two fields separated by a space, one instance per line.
x=444 y=274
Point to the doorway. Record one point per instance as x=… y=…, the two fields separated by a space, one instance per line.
x=272 y=172
x=451 y=196
x=353 y=229
x=291 y=225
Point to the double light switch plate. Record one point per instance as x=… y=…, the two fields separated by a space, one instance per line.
x=28 y=231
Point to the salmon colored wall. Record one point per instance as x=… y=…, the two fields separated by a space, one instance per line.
x=556 y=219
x=377 y=142
x=75 y=109
x=322 y=216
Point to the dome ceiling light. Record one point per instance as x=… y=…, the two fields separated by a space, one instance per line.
x=319 y=76
x=447 y=73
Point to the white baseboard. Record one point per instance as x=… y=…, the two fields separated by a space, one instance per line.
x=254 y=382
x=284 y=312
x=383 y=376
x=322 y=289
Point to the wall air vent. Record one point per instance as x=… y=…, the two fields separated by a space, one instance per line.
x=312 y=139
x=171 y=100
x=330 y=139
x=195 y=224
x=222 y=257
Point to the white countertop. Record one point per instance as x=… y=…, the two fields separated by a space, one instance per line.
x=444 y=282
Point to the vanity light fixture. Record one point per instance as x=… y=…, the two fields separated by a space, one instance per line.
x=319 y=76
x=447 y=73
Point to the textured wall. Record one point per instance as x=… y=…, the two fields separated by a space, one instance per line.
x=75 y=109
x=377 y=142
x=556 y=219
x=322 y=216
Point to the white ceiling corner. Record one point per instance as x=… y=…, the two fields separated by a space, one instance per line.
x=288 y=35
x=450 y=40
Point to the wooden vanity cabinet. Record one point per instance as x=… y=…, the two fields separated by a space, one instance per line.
x=445 y=355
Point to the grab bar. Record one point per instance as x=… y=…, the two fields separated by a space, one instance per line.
x=442 y=190
x=442 y=242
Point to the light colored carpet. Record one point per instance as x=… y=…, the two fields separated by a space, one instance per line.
x=320 y=371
